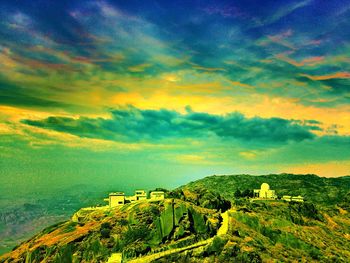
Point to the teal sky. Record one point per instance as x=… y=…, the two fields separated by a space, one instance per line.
x=142 y=94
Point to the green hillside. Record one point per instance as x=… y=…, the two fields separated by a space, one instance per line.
x=133 y=229
x=320 y=190
x=205 y=221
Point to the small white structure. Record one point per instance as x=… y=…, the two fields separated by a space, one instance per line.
x=119 y=198
x=289 y=198
x=116 y=199
x=265 y=192
x=157 y=195
x=140 y=195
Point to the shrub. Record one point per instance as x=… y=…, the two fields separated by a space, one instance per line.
x=251 y=257
x=105 y=232
x=123 y=222
x=238 y=194
x=64 y=254
x=135 y=233
x=106 y=225
x=272 y=234
x=315 y=253
x=216 y=246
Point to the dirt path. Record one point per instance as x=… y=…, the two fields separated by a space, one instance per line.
x=169 y=252
x=224 y=226
x=222 y=231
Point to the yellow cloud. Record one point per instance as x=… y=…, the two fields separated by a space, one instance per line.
x=337 y=75
x=328 y=169
x=249 y=155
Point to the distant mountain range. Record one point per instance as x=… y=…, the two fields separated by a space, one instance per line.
x=207 y=220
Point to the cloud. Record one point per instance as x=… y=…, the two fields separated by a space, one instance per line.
x=284 y=11
x=132 y=125
x=15 y=95
x=338 y=75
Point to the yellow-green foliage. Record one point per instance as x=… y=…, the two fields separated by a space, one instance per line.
x=166 y=219
x=199 y=221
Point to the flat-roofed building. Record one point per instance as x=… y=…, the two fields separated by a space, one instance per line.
x=157 y=195
x=290 y=198
x=287 y=198
x=140 y=195
x=117 y=198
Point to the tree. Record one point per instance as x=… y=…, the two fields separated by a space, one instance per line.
x=238 y=193
x=247 y=193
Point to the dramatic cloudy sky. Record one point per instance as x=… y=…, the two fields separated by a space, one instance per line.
x=169 y=91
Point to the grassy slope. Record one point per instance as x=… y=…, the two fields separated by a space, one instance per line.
x=265 y=232
x=134 y=229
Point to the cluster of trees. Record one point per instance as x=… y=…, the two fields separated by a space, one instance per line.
x=201 y=196
x=243 y=194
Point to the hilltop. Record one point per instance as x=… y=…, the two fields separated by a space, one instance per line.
x=319 y=190
x=204 y=221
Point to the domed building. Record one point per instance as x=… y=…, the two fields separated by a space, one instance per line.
x=265 y=192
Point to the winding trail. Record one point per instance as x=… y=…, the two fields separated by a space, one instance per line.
x=224 y=226
x=221 y=231
x=158 y=255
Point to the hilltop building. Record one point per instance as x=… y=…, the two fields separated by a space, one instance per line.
x=157 y=195
x=265 y=192
x=139 y=195
x=289 y=198
x=116 y=199
x=119 y=198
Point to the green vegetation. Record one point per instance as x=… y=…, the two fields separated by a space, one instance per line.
x=318 y=190
x=201 y=196
x=105 y=230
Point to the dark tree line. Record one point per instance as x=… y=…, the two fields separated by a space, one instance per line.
x=243 y=194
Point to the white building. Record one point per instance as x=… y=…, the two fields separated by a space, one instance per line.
x=157 y=195
x=119 y=198
x=265 y=192
x=289 y=198
x=116 y=199
x=139 y=195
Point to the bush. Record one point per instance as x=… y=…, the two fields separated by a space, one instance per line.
x=135 y=233
x=216 y=246
x=272 y=234
x=64 y=254
x=106 y=225
x=105 y=230
x=251 y=257
x=315 y=253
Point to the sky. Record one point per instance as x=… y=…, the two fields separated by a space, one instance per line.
x=164 y=92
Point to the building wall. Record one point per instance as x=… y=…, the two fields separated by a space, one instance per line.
x=140 y=195
x=115 y=200
x=270 y=194
x=157 y=195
